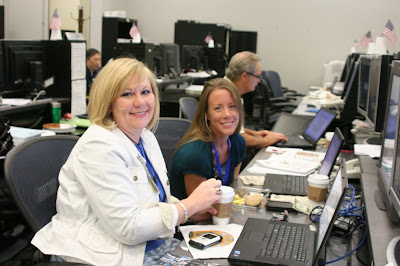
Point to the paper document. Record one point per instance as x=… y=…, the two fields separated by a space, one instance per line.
x=15 y=101
x=373 y=151
x=230 y=233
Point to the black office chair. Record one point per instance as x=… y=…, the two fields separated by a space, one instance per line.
x=279 y=93
x=188 y=107
x=31 y=171
x=169 y=132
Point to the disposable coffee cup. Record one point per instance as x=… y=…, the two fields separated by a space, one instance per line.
x=318 y=187
x=224 y=206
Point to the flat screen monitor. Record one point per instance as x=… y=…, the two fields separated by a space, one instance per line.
x=363 y=84
x=170 y=59
x=351 y=58
x=373 y=89
x=389 y=141
x=193 y=58
x=18 y=56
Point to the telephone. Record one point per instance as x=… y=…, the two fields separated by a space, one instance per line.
x=353 y=169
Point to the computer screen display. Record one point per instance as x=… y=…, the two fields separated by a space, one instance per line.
x=390 y=136
x=331 y=153
x=319 y=124
x=373 y=90
x=348 y=85
x=363 y=84
x=170 y=59
x=194 y=58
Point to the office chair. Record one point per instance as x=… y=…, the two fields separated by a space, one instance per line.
x=188 y=107
x=169 y=132
x=31 y=172
x=279 y=93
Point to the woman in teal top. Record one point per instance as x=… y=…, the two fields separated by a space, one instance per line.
x=212 y=146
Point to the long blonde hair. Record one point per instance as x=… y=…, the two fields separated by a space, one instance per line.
x=199 y=129
x=110 y=83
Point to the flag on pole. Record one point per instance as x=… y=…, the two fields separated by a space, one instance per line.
x=134 y=33
x=208 y=38
x=55 y=22
x=355 y=44
x=389 y=32
x=366 y=39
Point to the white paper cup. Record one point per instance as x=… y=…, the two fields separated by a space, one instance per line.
x=318 y=187
x=224 y=206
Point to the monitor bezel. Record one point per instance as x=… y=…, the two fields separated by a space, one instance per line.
x=360 y=68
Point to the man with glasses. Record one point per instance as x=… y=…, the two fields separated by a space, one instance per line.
x=244 y=70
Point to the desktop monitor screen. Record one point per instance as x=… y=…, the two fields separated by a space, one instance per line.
x=390 y=133
x=373 y=90
x=193 y=58
x=170 y=59
x=363 y=84
x=331 y=153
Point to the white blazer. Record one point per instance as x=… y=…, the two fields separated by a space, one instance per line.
x=107 y=206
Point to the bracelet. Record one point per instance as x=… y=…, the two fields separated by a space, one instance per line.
x=185 y=211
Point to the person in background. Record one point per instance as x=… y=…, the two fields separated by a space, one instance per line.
x=244 y=70
x=113 y=204
x=93 y=66
x=212 y=146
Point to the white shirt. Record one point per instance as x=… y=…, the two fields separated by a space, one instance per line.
x=107 y=206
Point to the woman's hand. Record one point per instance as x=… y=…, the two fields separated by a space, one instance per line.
x=203 y=197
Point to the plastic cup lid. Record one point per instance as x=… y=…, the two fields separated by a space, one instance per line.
x=318 y=179
x=227 y=192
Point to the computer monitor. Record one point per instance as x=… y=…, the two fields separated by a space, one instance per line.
x=19 y=57
x=170 y=59
x=387 y=162
x=145 y=52
x=363 y=84
x=194 y=58
x=351 y=58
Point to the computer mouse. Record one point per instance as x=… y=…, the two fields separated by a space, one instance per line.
x=280 y=142
x=311 y=106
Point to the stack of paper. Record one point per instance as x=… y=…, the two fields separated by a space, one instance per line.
x=21 y=134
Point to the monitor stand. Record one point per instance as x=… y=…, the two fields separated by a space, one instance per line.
x=379 y=201
x=393 y=251
x=374 y=140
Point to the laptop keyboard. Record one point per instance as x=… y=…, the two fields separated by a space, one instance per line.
x=285 y=242
x=296 y=184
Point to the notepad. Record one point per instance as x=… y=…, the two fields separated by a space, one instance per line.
x=21 y=134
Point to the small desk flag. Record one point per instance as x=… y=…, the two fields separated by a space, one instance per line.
x=389 y=32
x=208 y=38
x=134 y=33
x=55 y=26
x=366 y=39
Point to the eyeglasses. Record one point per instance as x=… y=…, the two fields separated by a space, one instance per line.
x=251 y=74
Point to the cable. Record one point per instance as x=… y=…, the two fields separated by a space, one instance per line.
x=351 y=252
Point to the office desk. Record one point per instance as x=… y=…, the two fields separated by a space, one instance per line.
x=28 y=114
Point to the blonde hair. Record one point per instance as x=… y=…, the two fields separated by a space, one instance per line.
x=110 y=83
x=199 y=129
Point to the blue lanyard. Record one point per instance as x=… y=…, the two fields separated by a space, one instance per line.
x=228 y=163
x=152 y=172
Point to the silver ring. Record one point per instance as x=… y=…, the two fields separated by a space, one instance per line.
x=218 y=190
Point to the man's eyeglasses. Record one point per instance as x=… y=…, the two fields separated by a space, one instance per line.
x=251 y=74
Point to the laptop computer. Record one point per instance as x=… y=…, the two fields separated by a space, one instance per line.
x=297 y=185
x=290 y=124
x=311 y=134
x=284 y=243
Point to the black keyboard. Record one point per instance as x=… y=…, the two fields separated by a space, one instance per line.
x=296 y=184
x=284 y=242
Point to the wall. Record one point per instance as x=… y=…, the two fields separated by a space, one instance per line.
x=295 y=37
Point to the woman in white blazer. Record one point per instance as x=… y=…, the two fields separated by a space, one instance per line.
x=113 y=203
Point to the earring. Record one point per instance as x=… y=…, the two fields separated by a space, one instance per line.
x=205 y=119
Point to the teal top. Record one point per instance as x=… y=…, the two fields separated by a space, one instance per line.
x=197 y=158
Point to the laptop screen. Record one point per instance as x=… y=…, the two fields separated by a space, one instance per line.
x=319 y=124
x=329 y=209
x=330 y=156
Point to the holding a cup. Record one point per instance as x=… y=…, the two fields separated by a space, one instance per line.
x=224 y=206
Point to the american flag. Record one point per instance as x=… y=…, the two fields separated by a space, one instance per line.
x=208 y=38
x=55 y=22
x=366 y=39
x=355 y=44
x=389 y=32
x=134 y=31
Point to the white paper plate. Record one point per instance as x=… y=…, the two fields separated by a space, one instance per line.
x=60 y=128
